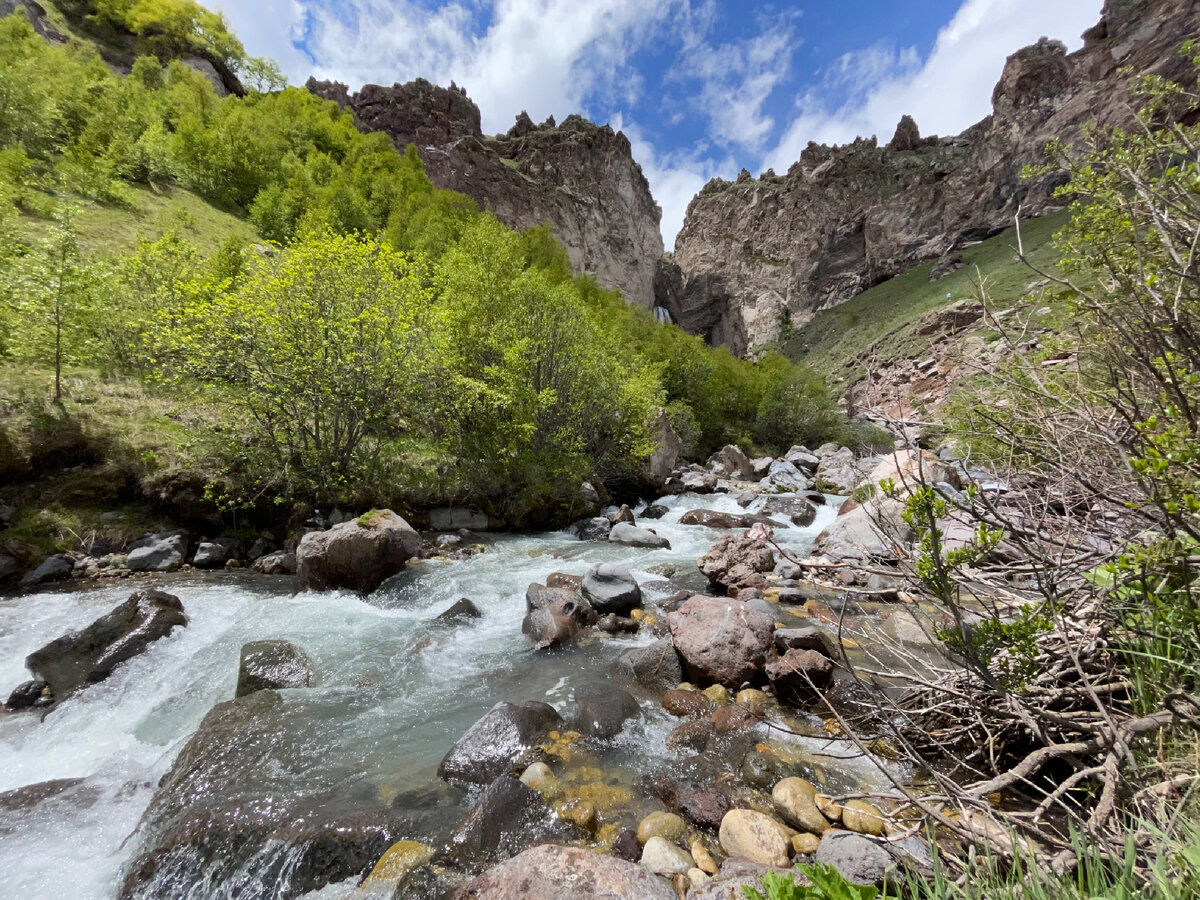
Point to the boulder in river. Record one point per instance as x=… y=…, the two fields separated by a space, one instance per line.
x=711 y=518
x=357 y=555
x=603 y=710
x=215 y=553
x=498 y=742
x=461 y=611
x=270 y=665
x=633 y=536
x=163 y=552
x=244 y=809
x=281 y=562
x=29 y=695
x=656 y=668
x=782 y=476
x=798 y=676
x=551 y=872
x=611 y=589
x=733 y=560
x=798 y=510
x=555 y=616
x=52 y=568
x=91 y=654
x=655 y=511
x=596 y=529
x=731 y=462
x=721 y=641
x=506 y=819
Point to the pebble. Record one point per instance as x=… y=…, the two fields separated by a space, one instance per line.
x=704 y=860
x=662 y=857
x=862 y=817
x=753 y=836
x=661 y=824
x=795 y=800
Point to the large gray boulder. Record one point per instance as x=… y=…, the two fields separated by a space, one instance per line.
x=611 y=588
x=731 y=462
x=357 y=555
x=91 y=654
x=798 y=510
x=259 y=789
x=839 y=472
x=270 y=665
x=498 y=742
x=802 y=458
x=864 y=860
x=733 y=560
x=655 y=669
x=595 y=529
x=551 y=872
x=633 y=536
x=215 y=553
x=281 y=562
x=506 y=819
x=876 y=530
x=555 y=616
x=163 y=552
x=52 y=568
x=721 y=641
x=602 y=710
x=782 y=476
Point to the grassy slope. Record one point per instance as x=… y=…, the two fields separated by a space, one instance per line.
x=106 y=229
x=881 y=320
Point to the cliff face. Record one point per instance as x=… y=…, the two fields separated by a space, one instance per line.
x=845 y=218
x=579 y=177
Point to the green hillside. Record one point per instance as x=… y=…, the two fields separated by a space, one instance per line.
x=881 y=321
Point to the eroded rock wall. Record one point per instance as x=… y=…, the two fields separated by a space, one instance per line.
x=579 y=177
x=846 y=218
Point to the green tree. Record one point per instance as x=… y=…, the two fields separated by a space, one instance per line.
x=324 y=344
x=51 y=299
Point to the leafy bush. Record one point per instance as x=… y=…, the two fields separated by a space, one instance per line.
x=827 y=883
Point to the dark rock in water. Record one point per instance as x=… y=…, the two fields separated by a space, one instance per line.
x=721 y=641
x=632 y=536
x=614 y=624
x=507 y=819
x=611 y=589
x=763 y=771
x=358 y=555
x=31 y=795
x=30 y=695
x=694 y=736
x=214 y=554
x=745 y=499
x=687 y=704
x=735 y=717
x=162 y=552
x=799 y=675
x=271 y=665
x=461 y=611
x=90 y=655
x=279 y=563
x=807 y=638
x=733 y=560
x=555 y=616
x=552 y=872
x=816 y=498
x=596 y=529
x=798 y=510
x=262 y=798
x=8 y=567
x=626 y=846
x=52 y=568
x=655 y=668
x=572 y=583
x=655 y=511
x=603 y=710
x=704 y=805
x=498 y=742
x=711 y=518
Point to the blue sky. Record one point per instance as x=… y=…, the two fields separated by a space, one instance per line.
x=702 y=88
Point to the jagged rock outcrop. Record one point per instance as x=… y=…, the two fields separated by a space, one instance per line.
x=845 y=218
x=579 y=177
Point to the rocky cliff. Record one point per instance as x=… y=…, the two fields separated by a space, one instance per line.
x=845 y=218
x=579 y=177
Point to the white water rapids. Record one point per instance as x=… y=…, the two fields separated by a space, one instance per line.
x=122 y=735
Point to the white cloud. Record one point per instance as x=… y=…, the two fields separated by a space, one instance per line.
x=736 y=79
x=948 y=92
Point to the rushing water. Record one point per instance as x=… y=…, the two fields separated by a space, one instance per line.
x=399 y=690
